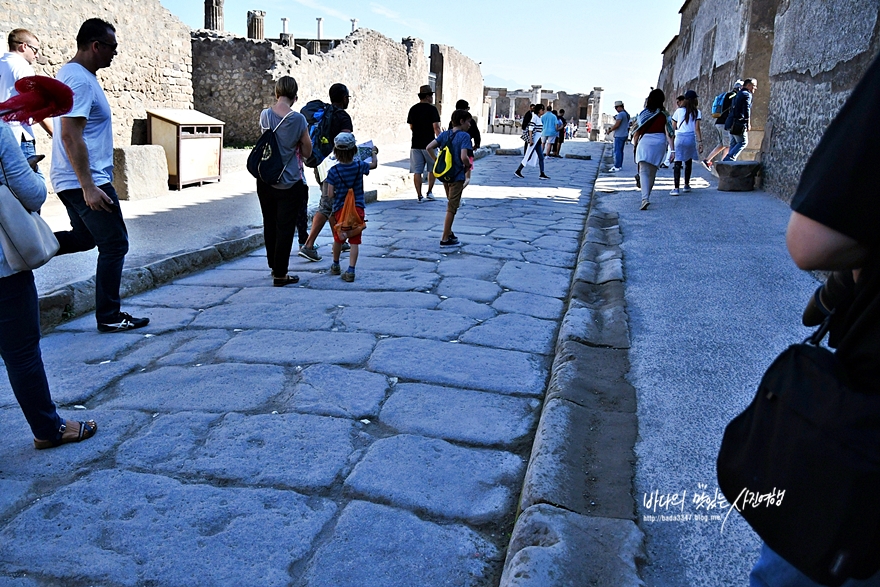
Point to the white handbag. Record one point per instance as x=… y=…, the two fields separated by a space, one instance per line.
x=26 y=239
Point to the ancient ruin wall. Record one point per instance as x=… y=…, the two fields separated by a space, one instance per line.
x=811 y=76
x=807 y=56
x=234 y=78
x=153 y=68
x=458 y=78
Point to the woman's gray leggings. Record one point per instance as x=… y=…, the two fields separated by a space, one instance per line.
x=647 y=174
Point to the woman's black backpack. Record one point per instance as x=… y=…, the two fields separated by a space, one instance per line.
x=265 y=162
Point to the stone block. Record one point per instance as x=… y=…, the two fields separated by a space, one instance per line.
x=183 y=264
x=576 y=156
x=460 y=415
x=468 y=308
x=611 y=293
x=212 y=388
x=736 y=176
x=147 y=529
x=599 y=273
x=529 y=304
x=582 y=460
x=551 y=547
x=330 y=390
x=53 y=307
x=413 y=322
x=467 y=288
x=298 y=348
x=592 y=377
x=239 y=246
x=606 y=326
x=412 y=551
x=517 y=152
x=515 y=332
x=434 y=477
x=460 y=365
x=140 y=172
x=534 y=278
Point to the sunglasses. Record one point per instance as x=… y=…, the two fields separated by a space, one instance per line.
x=36 y=50
x=112 y=46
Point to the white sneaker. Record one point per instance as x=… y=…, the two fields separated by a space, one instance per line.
x=429 y=196
x=674 y=192
x=614 y=170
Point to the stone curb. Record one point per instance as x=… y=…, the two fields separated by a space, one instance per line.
x=577 y=521
x=77 y=298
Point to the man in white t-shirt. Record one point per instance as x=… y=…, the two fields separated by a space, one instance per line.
x=82 y=172
x=24 y=46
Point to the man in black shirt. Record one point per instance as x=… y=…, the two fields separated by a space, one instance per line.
x=340 y=122
x=424 y=120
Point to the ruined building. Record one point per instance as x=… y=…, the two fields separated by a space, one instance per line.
x=807 y=56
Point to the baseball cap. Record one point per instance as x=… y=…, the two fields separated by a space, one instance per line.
x=738 y=84
x=690 y=94
x=345 y=140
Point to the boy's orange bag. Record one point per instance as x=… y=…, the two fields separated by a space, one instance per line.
x=349 y=223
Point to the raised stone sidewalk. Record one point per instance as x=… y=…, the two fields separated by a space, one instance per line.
x=368 y=433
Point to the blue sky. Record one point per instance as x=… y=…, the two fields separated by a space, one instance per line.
x=572 y=46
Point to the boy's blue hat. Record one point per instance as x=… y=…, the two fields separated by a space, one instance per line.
x=345 y=140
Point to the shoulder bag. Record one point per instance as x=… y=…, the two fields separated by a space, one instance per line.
x=26 y=239
x=802 y=465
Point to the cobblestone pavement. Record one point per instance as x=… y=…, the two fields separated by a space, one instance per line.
x=367 y=433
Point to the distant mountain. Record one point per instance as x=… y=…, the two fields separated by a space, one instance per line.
x=493 y=81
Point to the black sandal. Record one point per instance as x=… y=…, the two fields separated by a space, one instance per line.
x=286 y=280
x=86 y=430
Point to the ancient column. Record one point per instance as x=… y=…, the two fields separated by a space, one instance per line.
x=255 y=24
x=598 y=131
x=354 y=24
x=320 y=28
x=214 y=15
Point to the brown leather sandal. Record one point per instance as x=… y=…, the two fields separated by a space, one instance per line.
x=86 y=430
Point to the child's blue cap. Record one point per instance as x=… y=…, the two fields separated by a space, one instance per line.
x=345 y=140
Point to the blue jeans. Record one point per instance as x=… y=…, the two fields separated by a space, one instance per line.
x=772 y=570
x=737 y=144
x=20 y=349
x=29 y=148
x=107 y=231
x=619 y=142
x=539 y=149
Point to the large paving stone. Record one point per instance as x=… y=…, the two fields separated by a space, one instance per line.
x=298 y=348
x=405 y=322
x=551 y=257
x=529 y=304
x=551 y=546
x=161 y=320
x=235 y=278
x=460 y=415
x=493 y=252
x=299 y=451
x=515 y=332
x=330 y=390
x=557 y=243
x=394 y=264
x=212 y=388
x=472 y=289
x=276 y=316
x=434 y=477
x=468 y=308
x=469 y=266
x=517 y=234
x=135 y=529
x=318 y=300
x=86 y=347
x=379 y=546
x=378 y=281
x=582 y=460
x=49 y=468
x=184 y=296
x=535 y=278
x=471 y=367
x=12 y=493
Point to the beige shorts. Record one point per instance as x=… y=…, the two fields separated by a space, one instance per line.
x=453 y=194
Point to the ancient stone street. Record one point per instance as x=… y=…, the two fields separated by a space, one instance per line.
x=373 y=433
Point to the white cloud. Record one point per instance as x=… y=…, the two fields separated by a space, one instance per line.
x=411 y=23
x=322 y=8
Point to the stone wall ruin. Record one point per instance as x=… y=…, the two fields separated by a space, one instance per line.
x=234 y=78
x=807 y=57
x=152 y=70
